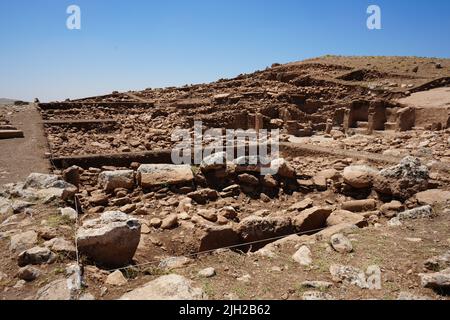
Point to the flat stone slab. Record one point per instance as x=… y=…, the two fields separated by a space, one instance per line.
x=11 y=134
x=152 y=175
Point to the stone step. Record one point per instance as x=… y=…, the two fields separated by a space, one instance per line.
x=11 y=134
x=362 y=124
x=390 y=126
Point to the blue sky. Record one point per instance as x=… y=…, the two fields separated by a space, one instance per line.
x=136 y=44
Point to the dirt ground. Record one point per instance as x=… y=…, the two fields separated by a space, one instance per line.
x=20 y=157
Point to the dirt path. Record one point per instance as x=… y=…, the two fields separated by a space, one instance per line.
x=20 y=157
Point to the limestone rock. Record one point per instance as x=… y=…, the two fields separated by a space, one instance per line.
x=433 y=197
x=343 y=216
x=110 y=180
x=359 y=177
x=23 y=241
x=28 y=273
x=214 y=162
x=360 y=205
x=116 y=279
x=437 y=280
x=255 y=228
x=170 y=222
x=207 y=273
x=154 y=175
x=417 y=213
x=348 y=274
x=70 y=213
x=311 y=219
x=403 y=180
x=341 y=243
x=110 y=240
x=303 y=256
x=391 y=209
x=169 y=287
x=36 y=255
x=302 y=205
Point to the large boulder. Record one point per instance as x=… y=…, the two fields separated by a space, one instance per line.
x=439 y=281
x=110 y=180
x=111 y=240
x=359 y=177
x=311 y=219
x=169 y=287
x=49 y=185
x=403 y=180
x=155 y=175
x=40 y=180
x=255 y=228
x=342 y=216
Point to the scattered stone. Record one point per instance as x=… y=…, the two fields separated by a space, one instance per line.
x=311 y=219
x=433 y=197
x=204 y=195
x=391 y=209
x=155 y=222
x=359 y=177
x=69 y=213
x=172 y=263
x=110 y=240
x=360 y=205
x=395 y=222
x=99 y=199
x=208 y=214
x=302 y=205
x=339 y=217
x=116 y=279
x=248 y=179
x=321 y=285
x=35 y=256
x=349 y=275
x=255 y=228
x=23 y=241
x=283 y=168
x=61 y=246
x=111 y=180
x=436 y=281
x=28 y=273
x=303 y=256
x=169 y=222
x=207 y=273
x=439 y=262
x=216 y=161
x=316 y=295
x=56 y=290
x=416 y=213
x=169 y=287
x=228 y=212
x=341 y=243
x=409 y=296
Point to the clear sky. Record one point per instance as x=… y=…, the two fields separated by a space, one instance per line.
x=136 y=44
